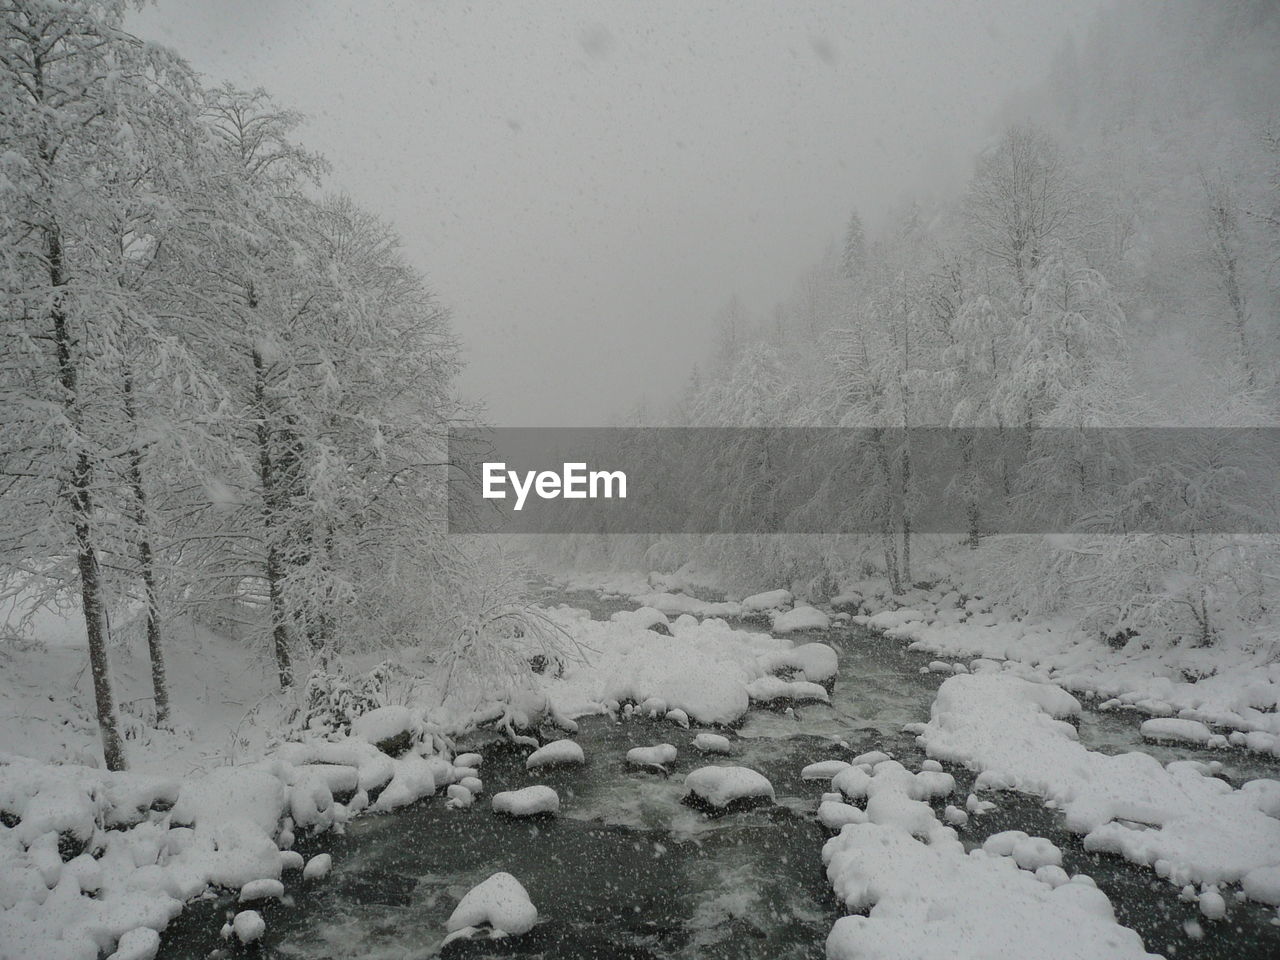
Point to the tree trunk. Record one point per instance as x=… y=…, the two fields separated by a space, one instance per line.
x=972 y=510
x=906 y=508
x=274 y=571
x=155 y=644
x=77 y=491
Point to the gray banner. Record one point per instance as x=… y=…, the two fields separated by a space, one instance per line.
x=864 y=480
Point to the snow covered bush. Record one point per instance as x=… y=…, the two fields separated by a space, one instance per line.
x=490 y=637
x=331 y=700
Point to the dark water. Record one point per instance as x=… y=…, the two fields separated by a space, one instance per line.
x=628 y=871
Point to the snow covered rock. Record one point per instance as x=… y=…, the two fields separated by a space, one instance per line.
x=266 y=889
x=227 y=794
x=800 y=618
x=1029 y=853
x=140 y=943
x=468 y=760
x=249 y=926
x=724 y=787
x=712 y=743
x=769 y=600
x=459 y=797
x=1212 y=905
x=555 y=754
x=317 y=867
x=815 y=662
x=775 y=690
x=834 y=814
x=931 y=900
x=1263 y=884
x=526 y=802
x=414 y=778
x=871 y=758
x=823 y=769
x=894 y=622
x=391 y=729
x=1177 y=821
x=658 y=755
x=501 y=902
x=847 y=601
x=1172 y=729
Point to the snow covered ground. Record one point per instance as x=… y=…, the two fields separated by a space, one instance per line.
x=1189 y=826
x=219 y=800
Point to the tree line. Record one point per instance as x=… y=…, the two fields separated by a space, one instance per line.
x=223 y=392
x=1112 y=262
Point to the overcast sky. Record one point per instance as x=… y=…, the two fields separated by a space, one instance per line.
x=585 y=182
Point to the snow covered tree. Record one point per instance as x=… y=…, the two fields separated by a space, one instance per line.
x=87 y=108
x=1019 y=200
x=1224 y=248
x=854 y=252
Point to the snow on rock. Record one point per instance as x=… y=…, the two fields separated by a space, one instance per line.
x=925 y=898
x=1262 y=884
x=870 y=758
x=1030 y=853
x=1189 y=827
x=895 y=795
x=501 y=902
x=468 y=760
x=712 y=743
x=932 y=901
x=555 y=754
x=317 y=867
x=722 y=787
x=261 y=890
x=1212 y=905
x=834 y=814
x=249 y=926
x=415 y=777
x=311 y=799
x=140 y=943
x=769 y=600
x=823 y=769
x=775 y=689
x=848 y=601
x=644 y=617
x=290 y=860
x=703 y=669
x=892 y=621
x=800 y=618
x=815 y=662
x=526 y=802
x=678 y=717
x=658 y=755
x=459 y=797
x=391 y=729
x=374 y=769
x=226 y=794
x=676 y=604
x=1183 y=731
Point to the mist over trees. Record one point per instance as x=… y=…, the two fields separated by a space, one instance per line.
x=1113 y=261
x=223 y=392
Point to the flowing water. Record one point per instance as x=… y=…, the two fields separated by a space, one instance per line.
x=628 y=871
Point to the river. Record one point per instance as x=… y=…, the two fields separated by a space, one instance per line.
x=628 y=871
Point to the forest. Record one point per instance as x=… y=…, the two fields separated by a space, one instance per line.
x=266 y=691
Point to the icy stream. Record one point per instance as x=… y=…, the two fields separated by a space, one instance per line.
x=627 y=871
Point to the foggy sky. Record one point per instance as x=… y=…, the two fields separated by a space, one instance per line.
x=586 y=182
